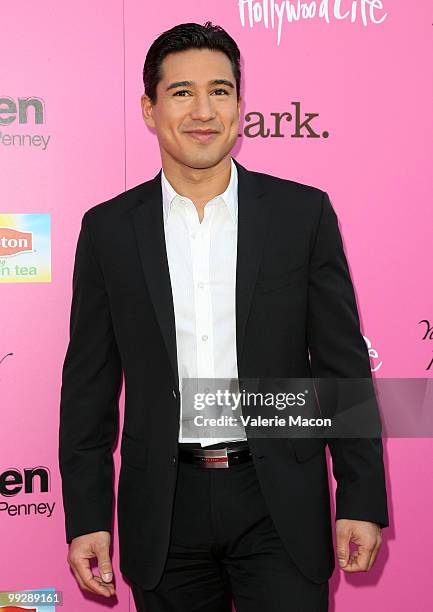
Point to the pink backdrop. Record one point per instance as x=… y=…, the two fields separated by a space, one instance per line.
x=369 y=83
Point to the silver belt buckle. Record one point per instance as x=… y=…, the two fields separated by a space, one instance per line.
x=213 y=457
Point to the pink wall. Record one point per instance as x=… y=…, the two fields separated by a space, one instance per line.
x=369 y=84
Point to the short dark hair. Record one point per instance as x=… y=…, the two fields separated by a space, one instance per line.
x=188 y=36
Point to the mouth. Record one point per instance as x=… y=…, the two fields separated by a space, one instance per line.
x=202 y=135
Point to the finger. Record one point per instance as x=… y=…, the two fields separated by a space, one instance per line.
x=374 y=553
x=86 y=575
x=360 y=558
x=108 y=586
x=78 y=579
x=352 y=564
x=342 y=546
x=73 y=565
x=104 y=563
x=86 y=588
x=366 y=549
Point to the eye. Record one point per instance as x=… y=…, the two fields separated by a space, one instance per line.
x=180 y=91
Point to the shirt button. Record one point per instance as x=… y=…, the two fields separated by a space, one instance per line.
x=193 y=236
x=200 y=285
x=204 y=337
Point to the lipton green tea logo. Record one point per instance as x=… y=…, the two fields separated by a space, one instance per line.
x=25 y=248
x=13 y=241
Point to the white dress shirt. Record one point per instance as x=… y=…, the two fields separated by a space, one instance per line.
x=202 y=264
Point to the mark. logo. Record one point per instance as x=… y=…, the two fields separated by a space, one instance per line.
x=258 y=126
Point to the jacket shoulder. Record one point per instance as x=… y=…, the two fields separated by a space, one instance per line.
x=269 y=181
x=118 y=204
x=294 y=198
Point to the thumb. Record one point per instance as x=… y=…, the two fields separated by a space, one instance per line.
x=104 y=565
x=343 y=539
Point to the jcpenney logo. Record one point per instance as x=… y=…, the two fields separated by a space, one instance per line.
x=19 y=112
x=31 y=481
x=13 y=241
x=14 y=481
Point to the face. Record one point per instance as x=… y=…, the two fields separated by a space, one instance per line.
x=182 y=110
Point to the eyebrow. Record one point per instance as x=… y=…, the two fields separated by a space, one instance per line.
x=192 y=83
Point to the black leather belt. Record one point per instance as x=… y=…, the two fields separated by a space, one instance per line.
x=215 y=457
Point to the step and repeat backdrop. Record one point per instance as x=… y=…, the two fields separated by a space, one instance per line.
x=336 y=94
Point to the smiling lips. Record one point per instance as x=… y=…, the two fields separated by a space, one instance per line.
x=202 y=135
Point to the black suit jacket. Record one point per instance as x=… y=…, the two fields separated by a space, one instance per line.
x=294 y=296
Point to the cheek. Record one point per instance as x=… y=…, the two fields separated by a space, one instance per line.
x=225 y=121
x=168 y=133
x=233 y=123
x=234 y=131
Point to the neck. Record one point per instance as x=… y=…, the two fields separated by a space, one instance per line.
x=198 y=184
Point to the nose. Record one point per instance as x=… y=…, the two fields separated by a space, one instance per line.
x=202 y=109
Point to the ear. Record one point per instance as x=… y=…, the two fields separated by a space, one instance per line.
x=146 y=110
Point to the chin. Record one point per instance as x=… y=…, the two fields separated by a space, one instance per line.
x=203 y=161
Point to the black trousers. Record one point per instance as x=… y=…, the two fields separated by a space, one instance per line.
x=224 y=549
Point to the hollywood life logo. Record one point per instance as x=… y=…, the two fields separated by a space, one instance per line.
x=29 y=481
x=258 y=126
x=427 y=336
x=25 y=248
x=19 y=113
x=274 y=14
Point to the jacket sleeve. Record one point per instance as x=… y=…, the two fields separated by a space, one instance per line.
x=338 y=350
x=91 y=379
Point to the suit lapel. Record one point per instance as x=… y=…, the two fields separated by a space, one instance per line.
x=147 y=218
x=252 y=215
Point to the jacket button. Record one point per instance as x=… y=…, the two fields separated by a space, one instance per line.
x=174 y=459
x=174 y=393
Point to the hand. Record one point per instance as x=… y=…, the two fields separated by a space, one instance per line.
x=366 y=535
x=81 y=550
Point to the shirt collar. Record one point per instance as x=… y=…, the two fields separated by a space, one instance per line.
x=229 y=196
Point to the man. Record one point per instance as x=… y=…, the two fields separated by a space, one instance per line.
x=210 y=270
